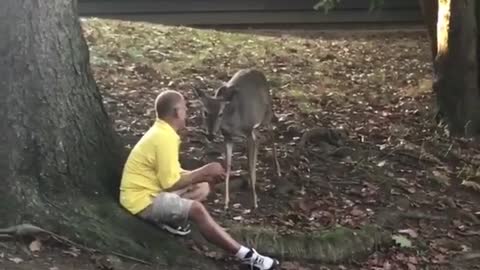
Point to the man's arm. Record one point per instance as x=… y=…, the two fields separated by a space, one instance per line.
x=188 y=178
x=203 y=174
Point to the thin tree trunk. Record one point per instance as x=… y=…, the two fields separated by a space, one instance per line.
x=60 y=160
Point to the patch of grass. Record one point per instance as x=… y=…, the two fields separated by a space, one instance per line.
x=331 y=246
x=297 y=68
x=302 y=99
x=179 y=52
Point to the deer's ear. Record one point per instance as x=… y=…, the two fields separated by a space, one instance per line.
x=220 y=92
x=229 y=94
x=225 y=93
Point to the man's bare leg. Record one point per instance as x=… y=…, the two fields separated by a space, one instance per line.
x=217 y=236
x=211 y=230
x=198 y=192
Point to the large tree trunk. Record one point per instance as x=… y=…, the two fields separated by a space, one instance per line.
x=59 y=156
x=456 y=66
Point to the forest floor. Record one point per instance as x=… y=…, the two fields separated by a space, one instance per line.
x=373 y=153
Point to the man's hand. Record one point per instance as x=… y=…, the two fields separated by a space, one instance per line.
x=211 y=173
x=214 y=169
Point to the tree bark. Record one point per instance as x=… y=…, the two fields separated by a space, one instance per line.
x=456 y=66
x=60 y=159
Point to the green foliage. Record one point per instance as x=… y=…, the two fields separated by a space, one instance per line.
x=327 y=5
x=402 y=241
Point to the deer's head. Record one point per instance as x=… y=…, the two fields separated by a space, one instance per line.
x=213 y=109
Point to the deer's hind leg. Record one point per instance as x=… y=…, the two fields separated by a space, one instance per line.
x=268 y=122
x=274 y=150
x=252 y=146
x=228 y=159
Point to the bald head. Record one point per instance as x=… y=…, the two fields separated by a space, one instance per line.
x=166 y=102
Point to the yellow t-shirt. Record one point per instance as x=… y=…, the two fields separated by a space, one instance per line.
x=152 y=166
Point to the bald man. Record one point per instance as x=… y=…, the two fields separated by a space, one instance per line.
x=155 y=187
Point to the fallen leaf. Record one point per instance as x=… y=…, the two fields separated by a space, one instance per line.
x=238 y=218
x=411 y=266
x=303 y=205
x=357 y=212
x=382 y=163
x=74 y=252
x=35 y=245
x=439 y=259
x=102 y=262
x=237 y=205
x=471 y=184
x=196 y=248
x=441 y=178
x=387 y=265
x=293 y=266
x=53 y=268
x=412 y=233
x=16 y=259
x=400 y=257
x=413 y=260
x=213 y=255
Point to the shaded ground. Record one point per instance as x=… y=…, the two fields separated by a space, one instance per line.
x=389 y=164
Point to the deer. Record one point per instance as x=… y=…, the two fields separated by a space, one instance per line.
x=237 y=109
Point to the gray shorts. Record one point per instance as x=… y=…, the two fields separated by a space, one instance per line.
x=167 y=207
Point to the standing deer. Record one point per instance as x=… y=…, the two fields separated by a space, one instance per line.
x=237 y=109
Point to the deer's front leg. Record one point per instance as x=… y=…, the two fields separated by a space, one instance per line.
x=228 y=158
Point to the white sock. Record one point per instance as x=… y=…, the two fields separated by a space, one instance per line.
x=242 y=252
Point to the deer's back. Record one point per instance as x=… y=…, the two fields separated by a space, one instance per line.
x=251 y=104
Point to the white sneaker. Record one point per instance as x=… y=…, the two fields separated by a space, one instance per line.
x=259 y=262
x=176 y=229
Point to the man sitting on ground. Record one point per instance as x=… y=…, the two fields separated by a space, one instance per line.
x=157 y=189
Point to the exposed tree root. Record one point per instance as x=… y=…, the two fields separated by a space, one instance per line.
x=29 y=230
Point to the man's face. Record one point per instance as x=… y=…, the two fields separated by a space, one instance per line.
x=182 y=113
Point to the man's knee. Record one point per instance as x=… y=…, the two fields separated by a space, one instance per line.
x=197 y=211
x=203 y=191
